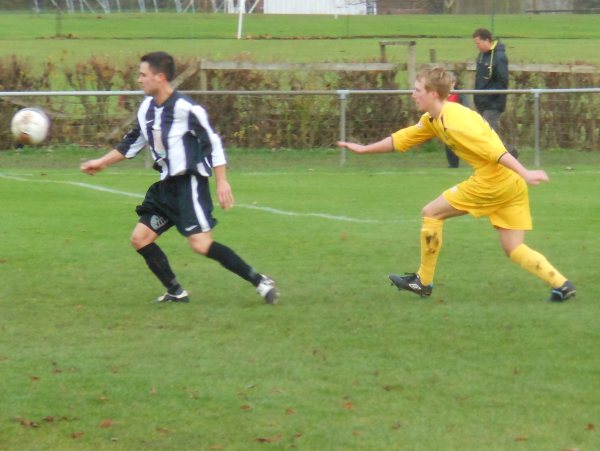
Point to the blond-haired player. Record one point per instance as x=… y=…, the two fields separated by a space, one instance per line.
x=497 y=189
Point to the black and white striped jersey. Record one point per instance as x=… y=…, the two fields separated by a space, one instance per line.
x=178 y=135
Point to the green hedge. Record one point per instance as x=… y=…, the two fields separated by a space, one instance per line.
x=283 y=121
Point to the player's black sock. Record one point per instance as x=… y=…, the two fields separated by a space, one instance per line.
x=159 y=264
x=233 y=262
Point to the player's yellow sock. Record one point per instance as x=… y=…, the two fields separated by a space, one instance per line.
x=431 y=242
x=536 y=263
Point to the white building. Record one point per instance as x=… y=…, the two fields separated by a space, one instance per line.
x=341 y=7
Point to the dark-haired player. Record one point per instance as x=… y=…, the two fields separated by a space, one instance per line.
x=186 y=151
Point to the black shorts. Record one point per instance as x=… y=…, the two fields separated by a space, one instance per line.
x=183 y=201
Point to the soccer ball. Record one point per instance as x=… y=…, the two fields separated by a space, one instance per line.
x=30 y=126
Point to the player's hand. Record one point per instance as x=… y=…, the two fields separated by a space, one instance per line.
x=353 y=147
x=536 y=177
x=225 y=195
x=91 y=167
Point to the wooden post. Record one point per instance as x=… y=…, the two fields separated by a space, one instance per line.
x=432 y=56
x=412 y=64
x=203 y=77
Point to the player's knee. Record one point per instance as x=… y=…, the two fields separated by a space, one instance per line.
x=139 y=240
x=429 y=212
x=200 y=245
x=200 y=249
x=136 y=242
x=509 y=248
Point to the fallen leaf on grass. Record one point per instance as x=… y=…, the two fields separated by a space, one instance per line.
x=52 y=419
x=66 y=418
x=163 y=431
x=348 y=405
x=290 y=411
x=590 y=427
x=27 y=423
x=521 y=438
x=76 y=435
x=246 y=407
x=106 y=423
x=274 y=439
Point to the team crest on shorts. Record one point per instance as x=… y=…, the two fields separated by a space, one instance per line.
x=156 y=222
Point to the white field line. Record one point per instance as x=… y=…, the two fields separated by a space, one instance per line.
x=249 y=207
x=314 y=215
x=67 y=182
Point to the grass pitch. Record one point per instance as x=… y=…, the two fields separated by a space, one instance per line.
x=344 y=362
x=559 y=38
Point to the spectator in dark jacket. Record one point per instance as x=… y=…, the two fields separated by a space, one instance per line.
x=491 y=73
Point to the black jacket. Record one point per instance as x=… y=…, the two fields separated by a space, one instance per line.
x=491 y=73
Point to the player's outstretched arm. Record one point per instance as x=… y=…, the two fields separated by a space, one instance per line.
x=91 y=167
x=534 y=177
x=385 y=145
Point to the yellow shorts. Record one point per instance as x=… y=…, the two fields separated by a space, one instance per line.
x=506 y=205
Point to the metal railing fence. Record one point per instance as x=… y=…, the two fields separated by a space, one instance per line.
x=535 y=118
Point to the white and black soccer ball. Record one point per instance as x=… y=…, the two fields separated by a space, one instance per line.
x=30 y=126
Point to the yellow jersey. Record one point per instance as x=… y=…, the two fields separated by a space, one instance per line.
x=493 y=190
x=468 y=135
